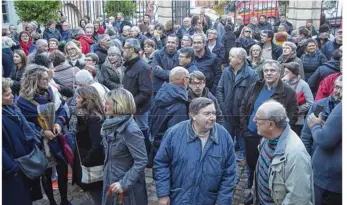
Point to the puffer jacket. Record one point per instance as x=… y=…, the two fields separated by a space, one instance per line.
x=329 y=48
x=169 y=108
x=86 y=42
x=189 y=175
x=65 y=74
x=311 y=61
x=291 y=164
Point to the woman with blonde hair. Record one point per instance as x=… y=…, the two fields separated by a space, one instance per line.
x=245 y=40
x=125 y=151
x=256 y=60
x=113 y=70
x=74 y=55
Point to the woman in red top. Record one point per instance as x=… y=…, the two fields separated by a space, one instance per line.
x=98 y=28
x=25 y=41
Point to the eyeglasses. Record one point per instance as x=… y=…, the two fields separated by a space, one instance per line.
x=45 y=79
x=181 y=56
x=197 y=83
x=198 y=42
x=70 y=49
x=247 y=31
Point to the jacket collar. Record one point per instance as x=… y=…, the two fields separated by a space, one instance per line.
x=189 y=64
x=192 y=134
x=132 y=61
x=124 y=124
x=282 y=141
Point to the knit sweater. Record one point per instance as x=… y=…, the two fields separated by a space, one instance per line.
x=264 y=161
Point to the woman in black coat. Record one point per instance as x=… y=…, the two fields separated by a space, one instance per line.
x=245 y=40
x=86 y=122
x=20 y=62
x=112 y=69
x=18 y=139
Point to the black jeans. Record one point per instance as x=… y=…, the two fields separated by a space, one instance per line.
x=252 y=154
x=62 y=170
x=325 y=197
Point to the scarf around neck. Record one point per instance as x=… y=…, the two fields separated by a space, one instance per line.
x=111 y=124
x=25 y=46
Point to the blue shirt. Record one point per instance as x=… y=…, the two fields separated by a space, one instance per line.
x=263 y=96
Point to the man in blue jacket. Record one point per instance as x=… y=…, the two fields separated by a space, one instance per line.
x=230 y=92
x=187 y=59
x=195 y=163
x=207 y=62
x=163 y=61
x=215 y=46
x=170 y=105
x=331 y=46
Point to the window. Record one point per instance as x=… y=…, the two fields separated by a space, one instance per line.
x=4 y=12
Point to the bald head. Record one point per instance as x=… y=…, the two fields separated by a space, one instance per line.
x=179 y=76
x=274 y=111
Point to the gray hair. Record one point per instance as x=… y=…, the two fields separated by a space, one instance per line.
x=178 y=72
x=201 y=35
x=136 y=28
x=41 y=42
x=76 y=32
x=290 y=44
x=197 y=75
x=238 y=51
x=199 y=103
x=273 y=63
x=275 y=112
x=126 y=28
x=83 y=76
x=134 y=43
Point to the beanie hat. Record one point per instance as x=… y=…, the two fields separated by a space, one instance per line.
x=84 y=77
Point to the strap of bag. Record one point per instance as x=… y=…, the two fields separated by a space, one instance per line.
x=78 y=152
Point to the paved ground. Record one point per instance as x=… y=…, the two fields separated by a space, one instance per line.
x=78 y=197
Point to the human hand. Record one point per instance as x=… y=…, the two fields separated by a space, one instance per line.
x=56 y=129
x=313 y=120
x=48 y=134
x=165 y=200
x=116 y=188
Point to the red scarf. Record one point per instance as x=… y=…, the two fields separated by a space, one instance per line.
x=25 y=46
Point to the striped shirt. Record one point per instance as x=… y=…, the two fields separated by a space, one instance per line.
x=264 y=161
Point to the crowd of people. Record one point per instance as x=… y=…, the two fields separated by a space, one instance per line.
x=189 y=101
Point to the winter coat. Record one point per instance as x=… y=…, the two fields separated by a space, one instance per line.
x=120 y=24
x=311 y=62
x=111 y=78
x=265 y=26
x=328 y=68
x=329 y=48
x=207 y=94
x=85 y=43
x=101 y=52
x=137 y=80
x=16 y=77
x=125 y=162
x=228 y=41
x=80 y=63
x=292 y=58
x=208 y=65
x=65 y=74
x=326 y=86
x=283 y=94
x=245 y=43
x=66 y=35
x=182 y=31
x=167 y=62
x=170 y=107
x=141 y=38
x=47 y=34
x=255 y=30
x=231 y=90
x=7 y=62
x=328 y=104
x=191 y=175
x=258 y=66
x=219 y=50
x=290 y=164
x=191 y=67
x=237 y=31
x=15 y=145
x=90 y=150
x=329 y=150
x=276 y=50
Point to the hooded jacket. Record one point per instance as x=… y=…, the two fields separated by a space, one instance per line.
x=169 y=108
x=311 y=62
x=326 y=86
x=85 y=43
x=330 y=67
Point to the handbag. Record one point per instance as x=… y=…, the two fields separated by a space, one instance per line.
x=66 y=149
x=34 y=164
x=90 y=174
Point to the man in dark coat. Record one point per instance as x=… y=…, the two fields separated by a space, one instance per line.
x=283 y=20
x=271 y=87
x=51 y=31
x=263 y=24
x=121 y=22
x=163 y=61
x=186 y=28
x=137 y=80
x=215 y=46
x=270 y=50
x=232 y=86
x=331 y=46
x=198 y=155
x=187 y=59
x=102 y=47
x=207 y=62
x=228 y=41
x=197 y=88
x=170 y=105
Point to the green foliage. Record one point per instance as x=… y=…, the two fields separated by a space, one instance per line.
x=39 y=11
x=127 y=7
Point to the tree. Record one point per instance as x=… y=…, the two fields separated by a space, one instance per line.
x=39 y=11
x=127 y=7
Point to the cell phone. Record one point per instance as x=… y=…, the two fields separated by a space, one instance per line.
x=319 y=109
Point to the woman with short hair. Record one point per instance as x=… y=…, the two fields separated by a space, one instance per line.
x=74 y=55
x=125 y=151
x=245 y=40
x=86 y=122
x=289 y=55
x=113 y=70
x=25 y=41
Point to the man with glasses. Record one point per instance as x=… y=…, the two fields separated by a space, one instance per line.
x=92 y=61
x=284 y=170
x=256 y=94
x=187 y=59
x=207 y=62
x=331 y=46
x=269 y=49
x=197 y=88
x=231 y=89
x=164 y=60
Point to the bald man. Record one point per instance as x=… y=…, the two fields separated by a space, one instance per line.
x=284 y=171
x=170 y=104
x=41 y=47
